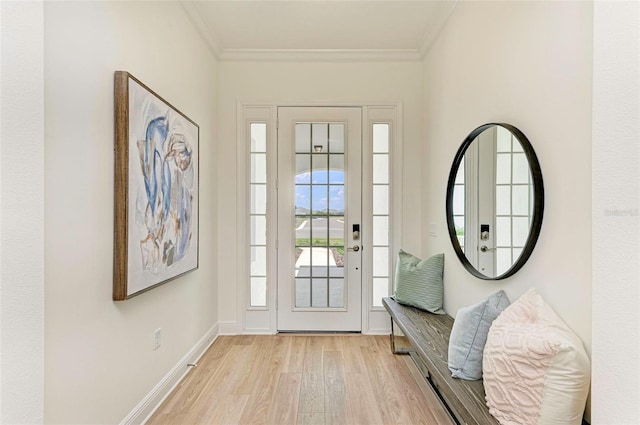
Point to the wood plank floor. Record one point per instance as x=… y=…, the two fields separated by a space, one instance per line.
x=300 y=380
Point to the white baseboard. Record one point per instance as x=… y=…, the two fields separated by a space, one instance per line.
x=143 y=411
x=377 y=332
x=259 y=332
x=228 y=328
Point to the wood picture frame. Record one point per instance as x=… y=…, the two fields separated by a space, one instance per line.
x=156 y=190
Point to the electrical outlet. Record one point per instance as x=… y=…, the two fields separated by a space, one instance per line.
x=157 y=338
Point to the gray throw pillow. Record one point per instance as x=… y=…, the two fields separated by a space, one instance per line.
x=469 y=335
x=419 y=282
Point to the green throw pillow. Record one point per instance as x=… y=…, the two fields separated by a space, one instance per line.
x=419 y=282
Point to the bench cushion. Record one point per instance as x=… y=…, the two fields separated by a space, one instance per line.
x=469 y=335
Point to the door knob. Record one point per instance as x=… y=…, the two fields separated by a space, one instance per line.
x=355 y=248
x=484 y=248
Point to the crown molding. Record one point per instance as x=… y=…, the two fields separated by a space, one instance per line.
x=321 y=55
x=211 y=39
x=433 y=31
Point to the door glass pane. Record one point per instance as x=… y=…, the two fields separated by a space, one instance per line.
x=336 y=138
x=303 y=169
x=336 y=293
x=336 y=200
x=320 y=170
x=303 y=138
x=319 y=293
x=381 y=230
x=303 y=230
x=320 y=137
x=258 y=168
x=319 y=200
x=303 y=262
x=303 y=199
x=258 y=230
x=258 y=137
x=380 y=261
x=258 y=261
x=303 y=292
x=380 y=169
x=319 y=208
x=336 y=168
x=258 y=291
x=380 y=290
x=380 y=138
x=336 y=270
x=258 y=199
x=320 y=258
x=381 y=199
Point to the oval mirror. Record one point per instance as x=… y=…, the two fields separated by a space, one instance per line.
x=495 y=201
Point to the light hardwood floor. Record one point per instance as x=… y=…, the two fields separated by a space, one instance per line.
x=302 y=379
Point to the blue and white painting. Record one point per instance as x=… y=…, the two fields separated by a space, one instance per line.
x=163 y=191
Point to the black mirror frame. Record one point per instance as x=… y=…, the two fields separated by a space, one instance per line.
x=538 y=208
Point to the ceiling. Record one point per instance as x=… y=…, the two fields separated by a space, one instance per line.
x=319 y=29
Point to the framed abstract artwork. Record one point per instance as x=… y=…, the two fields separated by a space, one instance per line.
x=156 y=190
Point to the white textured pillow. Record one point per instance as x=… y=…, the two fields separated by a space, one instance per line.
x=535 y=369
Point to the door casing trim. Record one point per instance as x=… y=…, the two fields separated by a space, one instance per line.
x=252 y=320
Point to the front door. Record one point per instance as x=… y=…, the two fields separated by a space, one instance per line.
x=319 y=218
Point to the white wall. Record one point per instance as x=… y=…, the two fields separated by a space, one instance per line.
x=99 y=359
x=616 y=213
x=22 y=212
x=302 y=83
x=528 y=64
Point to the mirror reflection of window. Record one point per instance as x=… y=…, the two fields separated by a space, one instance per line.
x=514 y=199
x=458 y=205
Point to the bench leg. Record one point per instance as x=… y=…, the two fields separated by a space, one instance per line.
x=395 y=350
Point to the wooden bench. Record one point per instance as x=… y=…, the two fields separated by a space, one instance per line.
x=428 y=335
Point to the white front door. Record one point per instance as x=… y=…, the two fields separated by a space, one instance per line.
x=319 y=219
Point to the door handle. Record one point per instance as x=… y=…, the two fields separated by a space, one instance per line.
x=354 y=248
x=484 y=248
